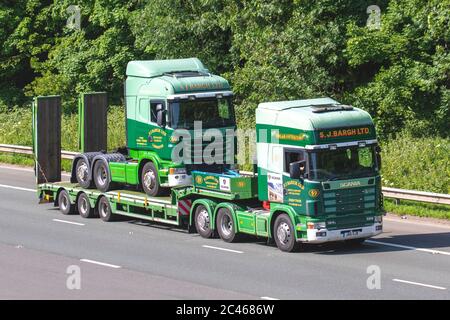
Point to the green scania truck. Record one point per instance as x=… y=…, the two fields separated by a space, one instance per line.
x=317 y=176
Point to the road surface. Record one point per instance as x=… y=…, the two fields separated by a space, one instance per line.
x=135 y=260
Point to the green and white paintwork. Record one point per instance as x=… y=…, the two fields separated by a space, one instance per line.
x=150 y=82
x=291 y=125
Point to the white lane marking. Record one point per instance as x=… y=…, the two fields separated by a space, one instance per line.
x=419 y=284
x=101 y=263
x=69 y=222
x=28 y=170
x=269 y=298
x=222 y=249
x=408 y=247
x=417 y=222
x=17 y=188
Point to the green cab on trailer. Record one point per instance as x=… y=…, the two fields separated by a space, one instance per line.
x=163 y=99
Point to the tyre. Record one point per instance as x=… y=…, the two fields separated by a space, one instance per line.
x=284 y=233
x=104 y=210
x=84 y=207
x=225 y=226
x=149 y=179
x=202 y=222
x=82 y=174
x=64 y=203
x=102 y=178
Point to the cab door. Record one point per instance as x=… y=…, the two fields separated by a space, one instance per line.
x=293 y=189
x=158 y=135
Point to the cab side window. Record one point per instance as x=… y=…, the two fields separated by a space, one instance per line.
x=292 y=155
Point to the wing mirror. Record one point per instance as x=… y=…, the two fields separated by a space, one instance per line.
x=297 y=169
x=378 y=155
x=160 y=115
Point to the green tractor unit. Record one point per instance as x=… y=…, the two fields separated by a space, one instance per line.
x=316 y=180
x=161 y=96
x=318 y=167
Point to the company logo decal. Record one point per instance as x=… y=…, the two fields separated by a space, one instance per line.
x=314 y=193
x=344 y=133
x=199 y=179
x=156 y=137
x=211 y=182
x=350 y=184
x=290 y=136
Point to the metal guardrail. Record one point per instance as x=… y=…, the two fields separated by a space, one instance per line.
x=421 y=196
x=10 y=148
x=399 y=194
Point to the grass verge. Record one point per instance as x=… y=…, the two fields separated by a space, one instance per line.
x=27 y=160
x=418 y=209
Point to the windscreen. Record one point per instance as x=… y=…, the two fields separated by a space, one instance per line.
x=343 y=163
x=213 y=112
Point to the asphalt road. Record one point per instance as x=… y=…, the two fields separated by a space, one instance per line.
x=135 y=260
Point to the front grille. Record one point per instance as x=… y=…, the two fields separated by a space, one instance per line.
x=219 y=154
x=347 y=222
x=349 y=201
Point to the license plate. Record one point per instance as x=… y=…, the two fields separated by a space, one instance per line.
x=350 y=233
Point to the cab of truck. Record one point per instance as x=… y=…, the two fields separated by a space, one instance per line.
x=164 y=98
x=320 y=161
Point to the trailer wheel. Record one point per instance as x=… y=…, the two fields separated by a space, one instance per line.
x=82 y=174
x=101 y=176
x=225 y=226
x=104 y=210
x=149 y=178
x=64 y=203
x=284 y=233
x=84 y=207
x=203 y=222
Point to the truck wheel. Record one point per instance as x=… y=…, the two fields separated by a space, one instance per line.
x=225 y=226
x=84 y=207
x=104 y=210
x=82 y=174
x=203 y=222
x=284 y=233
x=101 y=176
x=64 y=203
x=149 y=178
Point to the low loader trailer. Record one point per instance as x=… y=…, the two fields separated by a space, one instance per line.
x=316 y=180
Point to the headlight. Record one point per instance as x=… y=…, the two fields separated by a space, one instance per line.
x=177 y=171
x=378 y=219
x=316 y=225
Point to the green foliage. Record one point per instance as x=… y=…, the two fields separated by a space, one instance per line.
x=403 y=68
x=91 y=59
x=15 y=128
x=268 y=49
x=289 y=50
x=416 y=163
x=166 y=29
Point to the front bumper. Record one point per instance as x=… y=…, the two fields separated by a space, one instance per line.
x=175 y=180
x=324 y=235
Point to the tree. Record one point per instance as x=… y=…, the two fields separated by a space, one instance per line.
x=93 y=58
x=25 y=29
x=404 y=68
